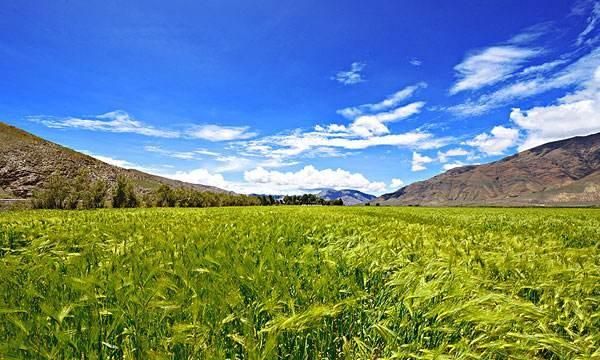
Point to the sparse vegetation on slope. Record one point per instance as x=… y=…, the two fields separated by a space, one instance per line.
x=300 y=283
x=28 y=163
x=560 y=173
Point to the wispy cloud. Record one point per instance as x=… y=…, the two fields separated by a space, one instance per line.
x=114 y=121
x=495 y=64
x=530 y=34
x=574 y=74
x=388 y=103
x=224 y=163
x=184 y=155
x=415 y=62
x=297 y=143
x=234 y=163
x=542 y=68
x=374 y=124
x=126 y=164
x=352 y=76
x=490 y=66
x=368 y=128
x=112 y=161
x=591 y=24
x=370 y=119
x=220 y=133
x=575 y=114
x=121 y=122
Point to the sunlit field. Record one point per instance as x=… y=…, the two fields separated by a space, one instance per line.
x=300 y=283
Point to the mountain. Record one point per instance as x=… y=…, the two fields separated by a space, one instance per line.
x=348 y=196
x=560 y=173
x=27 y=161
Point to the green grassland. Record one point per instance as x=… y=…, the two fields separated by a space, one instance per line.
x=300 y=283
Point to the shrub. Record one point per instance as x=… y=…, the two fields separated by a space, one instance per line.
x=54 y=195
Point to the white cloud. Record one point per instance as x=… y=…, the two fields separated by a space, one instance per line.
x=352 y=76
x=592 y=22
x=530 y=34
x=206 y=152
x=219 y=133
x=199 y=176
x=396 y=184
x=121 y=163
x=453 y=165
x=496 y=142
x=444 y=156
x=366 y=130
x=121 y=122
x=575 y=74
x=541 y=68
x=574 y=115
x=262 y=181
x=114 y=121
x=415 y=62
x=330 y=152
x=490 y=66
x=112 y=161
x=371 y=125
x=298 y=142
x=580 y=8
x=309 y=178
x=419 y=161
x=184 y=155
x=232 y=164
x=555 y=122
x=388 y=103
x=235 y=163
x=224 y=163
x=350 y=112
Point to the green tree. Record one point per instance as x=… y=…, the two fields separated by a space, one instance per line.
x=124 y=195
x=54 y=194
x=96 y=195
x=165 y=197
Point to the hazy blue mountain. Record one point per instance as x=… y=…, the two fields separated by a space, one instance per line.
x=348 y=196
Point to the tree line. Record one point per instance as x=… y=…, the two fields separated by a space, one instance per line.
x=305 y=199
x=82 y=193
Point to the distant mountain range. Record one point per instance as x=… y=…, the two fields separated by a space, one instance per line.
x=27 y=161
x=348 y=196
x=560 y=173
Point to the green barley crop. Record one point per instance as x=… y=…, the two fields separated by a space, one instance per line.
x=300 y=283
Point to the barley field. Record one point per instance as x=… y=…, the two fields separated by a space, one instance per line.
x=300 y=283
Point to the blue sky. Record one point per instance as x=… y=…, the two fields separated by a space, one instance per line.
x=289 y=96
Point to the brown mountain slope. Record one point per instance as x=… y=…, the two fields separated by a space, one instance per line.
x=27 y=161
x=565 y=172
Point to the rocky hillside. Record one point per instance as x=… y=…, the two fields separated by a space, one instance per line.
x=27 y=161
x=565 y=172
x=348 y=196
